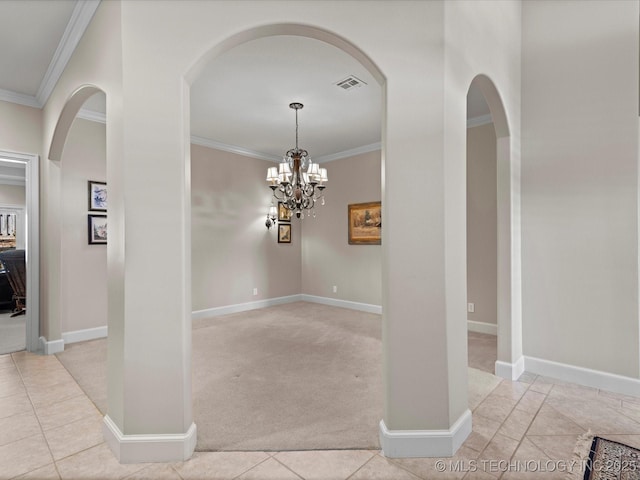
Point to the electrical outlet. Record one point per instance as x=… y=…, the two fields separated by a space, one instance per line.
x=471 y=307
x=255 y=291
x=335 y=289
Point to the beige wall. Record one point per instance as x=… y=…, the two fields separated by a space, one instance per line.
x=482 y=226
x=83 y=275
x=12 y=195
x=424 y=264
x=20 y=128
x=580 y=183
x=327 y=257
x=232 y=250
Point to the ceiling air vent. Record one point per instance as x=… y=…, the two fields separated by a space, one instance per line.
x=350 y=82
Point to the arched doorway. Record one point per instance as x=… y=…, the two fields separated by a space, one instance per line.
x=504 y=272
x=217 y=209
x=69 y=259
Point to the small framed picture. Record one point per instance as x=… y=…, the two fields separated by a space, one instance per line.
x=97 y=196
x=284 y=233
x=97 y=229
x=284 y=214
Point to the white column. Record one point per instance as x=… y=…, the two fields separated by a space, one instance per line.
x=149 y=378
x=424 y=360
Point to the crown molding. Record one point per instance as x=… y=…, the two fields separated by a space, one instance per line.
x=372 y=147
x=481 y=120
x=92 y=116
x=19 y=98
x=78 y=23
x=205 y=142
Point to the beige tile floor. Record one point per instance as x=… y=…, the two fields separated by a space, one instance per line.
x=49 y=429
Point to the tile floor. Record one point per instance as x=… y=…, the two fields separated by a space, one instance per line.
x=49 y=429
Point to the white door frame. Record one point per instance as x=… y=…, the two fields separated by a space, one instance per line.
x=32 y=243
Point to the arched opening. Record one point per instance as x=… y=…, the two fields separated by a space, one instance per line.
x=493 y=265
x=229 y=195
x=67 y=116
x=77 y=257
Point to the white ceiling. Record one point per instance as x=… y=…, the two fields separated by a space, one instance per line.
x=243 y=96
x=30 y=31
x=241 y=100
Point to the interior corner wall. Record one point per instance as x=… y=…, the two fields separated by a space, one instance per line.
x=83 y=273
x=20 y=128
x=579 y=184
x=12 y=195
x=232 y=250
x=327 y=257
x=482 y=224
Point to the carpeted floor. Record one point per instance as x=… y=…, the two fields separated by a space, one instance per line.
x=13 y=333
x=292 y=377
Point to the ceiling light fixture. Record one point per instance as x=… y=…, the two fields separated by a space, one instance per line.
x=297 y=182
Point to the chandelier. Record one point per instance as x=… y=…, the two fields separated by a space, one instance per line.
x=297 y=182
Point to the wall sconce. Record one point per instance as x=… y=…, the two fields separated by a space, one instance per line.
x=272 y=214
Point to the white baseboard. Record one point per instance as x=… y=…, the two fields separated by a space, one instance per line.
x=149 y=448
x=334 y=302
x=84 y=335
x=243 y=307
x=425 y=443
x=583 y=376
x=510 y=371
x=51 y=347
x=482 y=327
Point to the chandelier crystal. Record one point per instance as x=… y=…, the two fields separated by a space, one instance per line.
x=298 y=182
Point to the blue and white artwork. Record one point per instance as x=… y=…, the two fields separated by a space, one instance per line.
x=97 y=196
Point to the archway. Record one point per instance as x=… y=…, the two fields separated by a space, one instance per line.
x=66 y=118
x=57 y=290
x=509 y=362
x=204 y=212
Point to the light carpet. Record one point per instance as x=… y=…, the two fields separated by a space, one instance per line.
x=299 y=376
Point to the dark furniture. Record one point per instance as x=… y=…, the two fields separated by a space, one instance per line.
x=15 y=269
x=6 y=292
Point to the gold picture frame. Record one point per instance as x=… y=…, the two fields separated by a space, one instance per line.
x=284 y=233
x=284 y=214
x=365 y=223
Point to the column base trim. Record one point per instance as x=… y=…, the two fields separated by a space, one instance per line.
x=51 y=347
x=149 y=448
x=425 y=443
x=510 y=371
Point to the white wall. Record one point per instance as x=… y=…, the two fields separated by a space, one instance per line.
x=470 y=50
x=232 y=250
x=84 y=267
x=579 y=183
x=12 y=195
x=20 y=128
x=327 y=257
x=482 y=224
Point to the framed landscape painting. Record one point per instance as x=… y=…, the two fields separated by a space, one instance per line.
x=365 y=223
x=97 y=229
x=97 y=196
x=284 y=233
